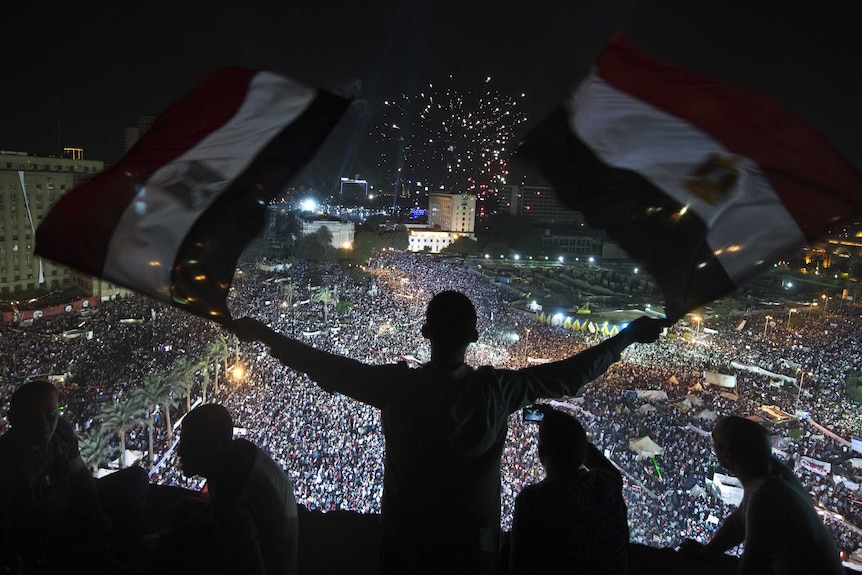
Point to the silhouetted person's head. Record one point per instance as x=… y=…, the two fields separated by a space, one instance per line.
x=562 y=441
x=33 y=412
x=450 y=321
x=742 y=446
x=206 y=436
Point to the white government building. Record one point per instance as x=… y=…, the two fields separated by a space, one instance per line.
x=450 y=216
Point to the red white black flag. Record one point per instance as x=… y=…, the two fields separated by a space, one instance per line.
x=706 y=182
x=172 y=217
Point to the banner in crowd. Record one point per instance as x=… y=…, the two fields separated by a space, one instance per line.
x=574 y=324
x=719 y=379
x=829 y=433
x=775 y=414
x=17 y=316
x=851 y=485
x=761 y=371
x=815 y=465
x=698 y=430
x=651 y=394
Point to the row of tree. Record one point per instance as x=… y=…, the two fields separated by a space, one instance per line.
x=162 y=392
x=156 y=392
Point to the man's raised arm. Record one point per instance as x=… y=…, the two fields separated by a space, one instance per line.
x=321 y=366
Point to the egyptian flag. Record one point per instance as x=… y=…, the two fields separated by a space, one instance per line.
x=172 y=217
x=707 y=183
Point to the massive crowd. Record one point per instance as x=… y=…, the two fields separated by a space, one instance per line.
x=332 y=447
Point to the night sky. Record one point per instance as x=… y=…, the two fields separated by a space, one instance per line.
x=78 y=73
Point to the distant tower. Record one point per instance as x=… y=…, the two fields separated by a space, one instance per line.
x=134 y=134
x=537 y=203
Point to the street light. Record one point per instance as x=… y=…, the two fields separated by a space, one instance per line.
x=766 y=325
x=697 y=320
x=237 y=373
x=790 y=312
x=825 y=301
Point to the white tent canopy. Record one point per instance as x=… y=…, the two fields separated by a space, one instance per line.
x=694 y=399
x=651 y=394
x=697 y=491
x=646 y=408
x=684 y=406
x=706 y=414
x=645 y=446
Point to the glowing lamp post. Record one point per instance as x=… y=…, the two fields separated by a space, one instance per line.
x=697 y=319
x=237 y=373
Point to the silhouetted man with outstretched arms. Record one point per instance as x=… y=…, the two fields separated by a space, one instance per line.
x=445 y=425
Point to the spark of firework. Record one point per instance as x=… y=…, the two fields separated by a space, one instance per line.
x=449 y=139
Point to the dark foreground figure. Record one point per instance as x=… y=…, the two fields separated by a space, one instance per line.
x=246 y=523
x=776 y=522
x=54 y=515
x=576 y=517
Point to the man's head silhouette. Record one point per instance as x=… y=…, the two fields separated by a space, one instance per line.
x=450 y=320
x=742 y=446
x=562 y=441
x=205 y=437
x=33 y=412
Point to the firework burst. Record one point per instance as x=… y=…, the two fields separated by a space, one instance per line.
x=450 y=139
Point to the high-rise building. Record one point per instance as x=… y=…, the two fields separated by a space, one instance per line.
x=452 y=212
x=538 y=203
x=134 y=134
x=29 y=186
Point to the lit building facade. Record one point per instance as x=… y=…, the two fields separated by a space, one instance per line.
x=29 y=186
x=431 y=240
x=342 y=231
x=452 y=212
